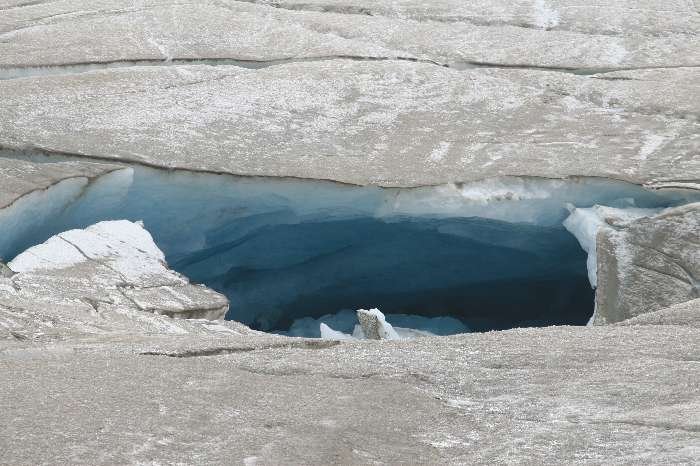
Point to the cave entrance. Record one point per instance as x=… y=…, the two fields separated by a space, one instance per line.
x=483 y=274
x=290 y=254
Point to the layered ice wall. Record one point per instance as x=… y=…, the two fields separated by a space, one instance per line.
x=489 y=255
x=40 y=214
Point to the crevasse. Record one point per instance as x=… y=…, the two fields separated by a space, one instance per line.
x=291 y=254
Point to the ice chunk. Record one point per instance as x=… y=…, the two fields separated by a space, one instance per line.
x=122 y=246
x=343 y=321
x=358 y=333
x=343 y=326
x=375 y=326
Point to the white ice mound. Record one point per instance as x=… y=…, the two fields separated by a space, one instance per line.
x=123 y=246
x=116 y=266
x=584 y=224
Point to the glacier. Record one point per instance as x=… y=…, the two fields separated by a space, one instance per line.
x=493 y=254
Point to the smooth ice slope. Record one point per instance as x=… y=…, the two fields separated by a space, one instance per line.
x=491 y=254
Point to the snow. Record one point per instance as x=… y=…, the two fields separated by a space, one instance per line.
x=439 y=152
x=129 y=233
x=54 y=254
x=652 y=143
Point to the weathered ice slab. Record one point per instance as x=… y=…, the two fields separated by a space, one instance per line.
x=388 y=123
x=108 y=278
x=686 y=313
x=648 y=265
x=561 y=395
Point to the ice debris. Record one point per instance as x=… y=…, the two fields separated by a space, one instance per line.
x=373 y=326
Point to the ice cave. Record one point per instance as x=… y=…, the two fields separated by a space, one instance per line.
x=292 y=254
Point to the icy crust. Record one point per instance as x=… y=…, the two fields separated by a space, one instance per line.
x=386 y=123
x=108 y=278
x=585 y=223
